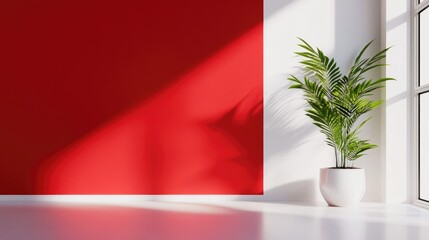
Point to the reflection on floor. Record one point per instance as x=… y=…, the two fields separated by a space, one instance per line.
x=236 y=220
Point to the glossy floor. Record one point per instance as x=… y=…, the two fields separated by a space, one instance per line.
x=206 y=221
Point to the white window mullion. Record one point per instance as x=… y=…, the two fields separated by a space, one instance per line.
x=422 y=89
x=421 y=6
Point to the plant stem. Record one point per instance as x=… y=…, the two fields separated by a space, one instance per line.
x=336 y=157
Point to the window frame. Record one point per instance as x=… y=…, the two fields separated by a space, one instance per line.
x=417 y=90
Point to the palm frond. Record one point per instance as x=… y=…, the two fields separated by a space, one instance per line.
x=336 y=101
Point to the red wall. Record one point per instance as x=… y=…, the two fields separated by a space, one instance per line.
x=131 y=97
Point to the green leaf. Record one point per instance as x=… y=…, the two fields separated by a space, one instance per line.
x=336 y=101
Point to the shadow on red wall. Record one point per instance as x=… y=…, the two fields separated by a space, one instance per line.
x=138 y=98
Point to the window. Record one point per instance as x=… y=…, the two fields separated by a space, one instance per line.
x=423 y=146
x=423 y=47
x=421 y=96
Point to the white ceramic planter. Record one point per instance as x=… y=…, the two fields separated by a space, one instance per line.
x=342 y=187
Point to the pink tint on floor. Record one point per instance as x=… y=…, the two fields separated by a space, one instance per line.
x=92 y=222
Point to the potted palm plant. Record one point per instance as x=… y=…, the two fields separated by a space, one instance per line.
x=336 y=104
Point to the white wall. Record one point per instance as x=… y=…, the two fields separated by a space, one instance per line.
x=294 y=148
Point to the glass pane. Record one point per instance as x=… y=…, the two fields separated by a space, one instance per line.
x=424 y=47
x=424 y=146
